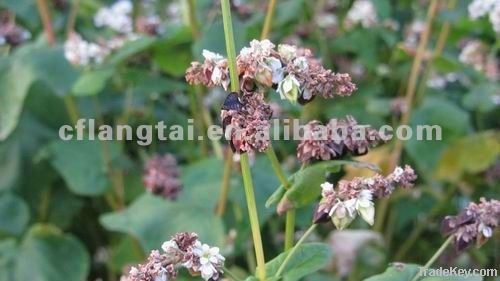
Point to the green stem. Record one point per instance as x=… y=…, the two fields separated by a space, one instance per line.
x=293 y=250
x=269 y=20
x=289 y=229
x=245 y=167
x=226 y=180
x=231 y=50
x=193 y=22
x=254 y=219
x=290 y=214
x=436 y=255
x=271 y=155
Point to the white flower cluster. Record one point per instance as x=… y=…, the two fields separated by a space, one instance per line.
x=344 y=212
x=474 y=54
x=117 y=17
x=201 y=258
x=289 y=87
x=362 y=12
x=80 y=52
x=479 y=8
x=219 y=74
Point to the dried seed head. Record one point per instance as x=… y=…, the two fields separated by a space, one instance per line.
x=161 y=176
x=475 y=223
x=356 y=196
x=293 y=71
x=340 y=136
x=248 y=125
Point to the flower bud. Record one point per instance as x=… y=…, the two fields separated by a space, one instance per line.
x=287 y=52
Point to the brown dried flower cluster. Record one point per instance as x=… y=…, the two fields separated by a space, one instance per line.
x=293 y=71
x=475 y=223
x=183 y=250
x=334 y=140
x=11 y=33
x=246 y=122
x=356 y=196
x=161 y=176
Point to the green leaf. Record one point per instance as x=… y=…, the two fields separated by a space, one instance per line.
x=308 y=258
x=18 y=72
x=173 y=54
x=92 y=82
x=46 y=254
x=131 y=48
x=14 y=214
x=446 y=64
x=8 y=253
x=153 y=220
x=212 y=38
x=397 y=272
x=454 y=123
x=471 y=154
x=481 y=97
x=383 y=8
x=306 y=183
x=81 y=164
x=10 y=163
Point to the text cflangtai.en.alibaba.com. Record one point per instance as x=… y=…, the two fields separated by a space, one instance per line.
x=281 y=129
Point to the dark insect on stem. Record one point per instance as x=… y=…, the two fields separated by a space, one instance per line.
x=232 y=102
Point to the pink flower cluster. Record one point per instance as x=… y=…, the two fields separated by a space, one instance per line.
x=339 y=137
x=161 y=176
x=248 y=123
x=475 y=223
x=183 y=250
x=293 y=71
x=356 y=196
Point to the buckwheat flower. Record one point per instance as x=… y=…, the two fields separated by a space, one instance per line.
x=475 y=224
x=212 y=72
x=343 y=213
x=474 y=54
x=149 y=25
x=365 y=206
x=412 y=33
x=277 y=70
x=80 y=52
x=495 y=18
x=247 y=123
x=159 y=267
x=289 y=88
x=339 y=137
x=10 y=33
x=293 y=71
x=362 y=12
x=479 y=8
x=211 y=261
x=326 y=188
x=355 y=197
x=161 y=176
x=316 y=143
x=117 y=17
x=287 y=52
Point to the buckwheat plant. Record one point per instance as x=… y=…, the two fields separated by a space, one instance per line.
x=184 y=250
